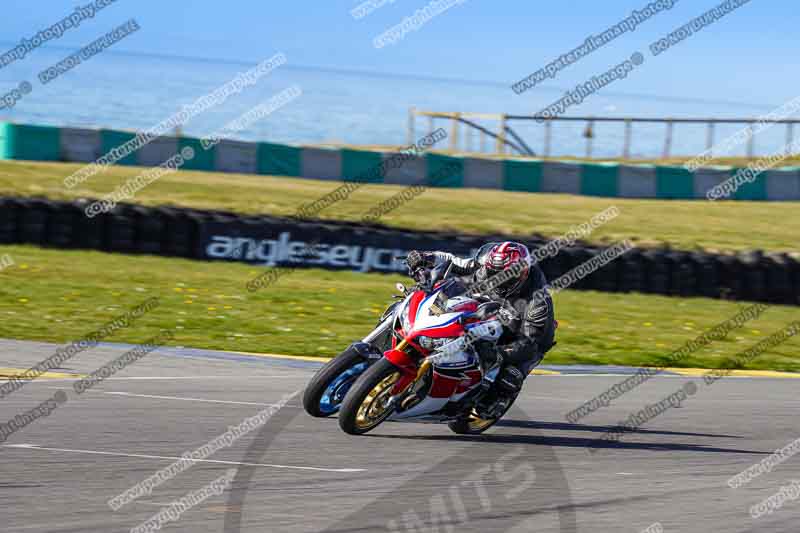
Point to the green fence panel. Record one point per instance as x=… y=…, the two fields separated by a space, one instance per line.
x=110 y=139
x=5 y=146
x=360 y=165
x=202 y=160
x=600 y=180
x=757 y=190
x=674 y=182
x=34 y=143
x=444 y=171
x=523 y=176
x=278 y=159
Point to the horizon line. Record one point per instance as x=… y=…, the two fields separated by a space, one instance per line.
x=405 y=76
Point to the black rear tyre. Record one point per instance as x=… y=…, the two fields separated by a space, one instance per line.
x=323 y=379
x=364 y=408
x=474 y=425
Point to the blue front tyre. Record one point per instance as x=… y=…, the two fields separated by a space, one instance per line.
x=326 y=390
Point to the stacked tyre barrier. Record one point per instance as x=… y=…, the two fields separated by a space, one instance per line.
x=189 y=233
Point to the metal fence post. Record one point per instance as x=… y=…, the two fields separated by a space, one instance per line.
x=454 y=123
x=668 y=140
x=501 y=136
x=626 y=149
x=547 y=137
x=410 y=137
x=589 y=134
x=710 y=137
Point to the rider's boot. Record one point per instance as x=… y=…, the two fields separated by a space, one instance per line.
x=507 y=386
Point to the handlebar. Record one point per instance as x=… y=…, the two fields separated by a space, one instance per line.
x=428 y=277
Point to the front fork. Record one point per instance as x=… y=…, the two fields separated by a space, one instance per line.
x=407 y=389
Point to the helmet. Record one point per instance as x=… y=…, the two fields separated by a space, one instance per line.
x=505 y=267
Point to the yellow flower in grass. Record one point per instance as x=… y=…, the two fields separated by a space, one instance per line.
x=647 y=324
x=23 y=300
x=328 y=308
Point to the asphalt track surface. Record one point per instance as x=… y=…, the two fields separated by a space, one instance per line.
x=535 y=472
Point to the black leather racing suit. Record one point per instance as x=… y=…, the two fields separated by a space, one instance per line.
x=528 y=315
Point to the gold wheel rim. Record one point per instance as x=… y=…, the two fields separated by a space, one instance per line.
x=373 y=409
x=477 y=423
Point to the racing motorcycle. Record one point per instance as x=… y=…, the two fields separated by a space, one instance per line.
x=325 y=392
x=435 y=367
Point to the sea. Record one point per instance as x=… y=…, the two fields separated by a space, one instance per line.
x=130 y=91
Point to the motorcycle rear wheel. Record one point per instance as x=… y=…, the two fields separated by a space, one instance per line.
x=364 y=408
x=473 y=424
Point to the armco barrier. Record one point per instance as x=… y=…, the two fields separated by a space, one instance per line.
x=264 y=240
x=44 y=143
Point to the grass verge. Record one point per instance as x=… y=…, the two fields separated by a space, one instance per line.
x=682 y=224
x=59 y=296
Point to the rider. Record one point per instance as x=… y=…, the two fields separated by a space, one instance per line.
x=527 y=309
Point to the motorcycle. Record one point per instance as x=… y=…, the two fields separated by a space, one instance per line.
x=325 y=392
x=433 y=368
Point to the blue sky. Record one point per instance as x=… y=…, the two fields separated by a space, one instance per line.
x=750 y=56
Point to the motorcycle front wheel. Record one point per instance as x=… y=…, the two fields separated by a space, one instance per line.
x=326 y=390
x=366 y=405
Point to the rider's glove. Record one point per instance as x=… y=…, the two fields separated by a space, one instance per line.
x=416 y=260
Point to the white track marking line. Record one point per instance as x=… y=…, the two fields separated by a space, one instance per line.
x=145 y=456
x=551 y=398
x=145 y=378
x=586 y=375
x=156 y=397
x=190 y=399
